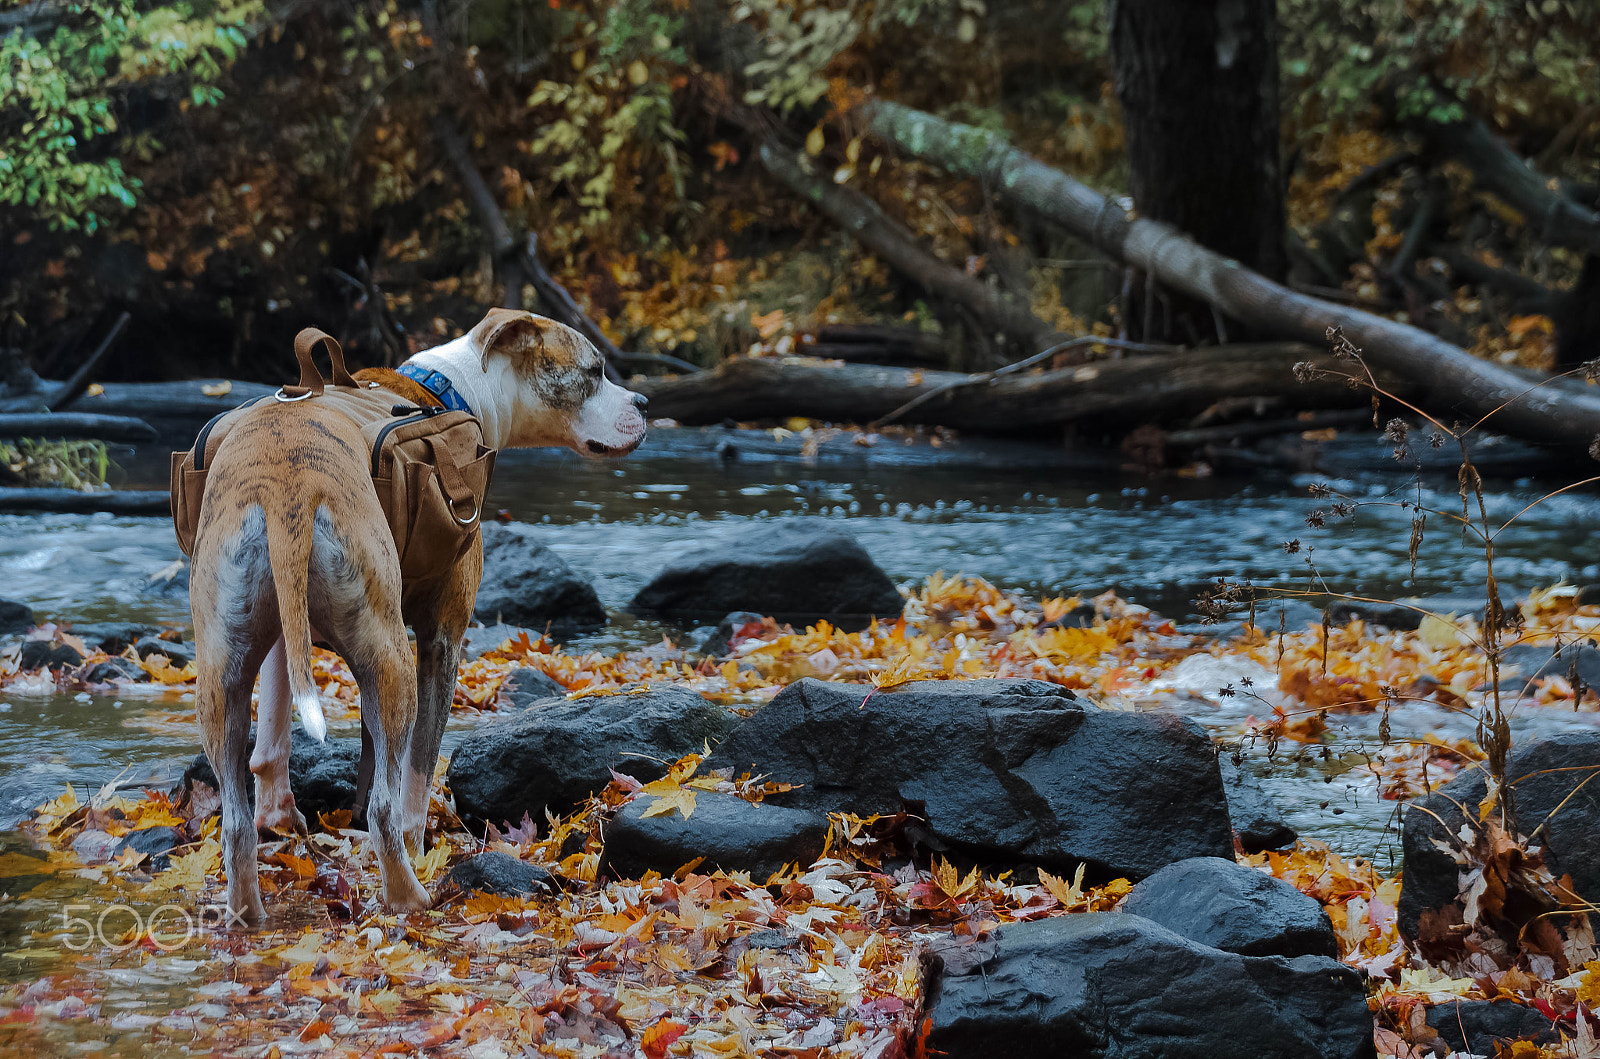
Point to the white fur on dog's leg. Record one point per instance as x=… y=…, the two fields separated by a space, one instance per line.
x=275 y=809
x=309 y=707
x=415 y=790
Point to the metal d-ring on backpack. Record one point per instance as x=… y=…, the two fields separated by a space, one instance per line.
x=429 y=466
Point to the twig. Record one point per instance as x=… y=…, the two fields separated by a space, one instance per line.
x=73 y=388
x=1021 y=365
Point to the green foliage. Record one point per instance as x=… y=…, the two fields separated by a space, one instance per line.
x=60 y=85
x=619 y=103
x=68 y=464
x=802 y=39
x=1500 y=57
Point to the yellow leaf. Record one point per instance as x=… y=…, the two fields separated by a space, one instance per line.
x=680 y=799
x=427 y=865
x=189 y=871
x=1491 y=798
x=638 y=73
x=1068 y=895
x=1440 y=633
x=219 y=389
x=815 y=141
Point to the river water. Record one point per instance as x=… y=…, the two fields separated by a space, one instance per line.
x=1025 y=517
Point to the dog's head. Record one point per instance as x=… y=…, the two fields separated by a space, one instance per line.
x=562 y=394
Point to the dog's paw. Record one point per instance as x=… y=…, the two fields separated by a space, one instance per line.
x=406 y=895
x=281 y=820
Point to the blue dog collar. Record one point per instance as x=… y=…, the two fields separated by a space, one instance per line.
x=438 y=384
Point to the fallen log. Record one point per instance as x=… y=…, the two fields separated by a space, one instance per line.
x=1124 y=393
x=73 y=502
x=75 y=426
x=1447 y=380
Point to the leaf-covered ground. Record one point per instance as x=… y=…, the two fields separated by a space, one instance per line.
x=822 y=959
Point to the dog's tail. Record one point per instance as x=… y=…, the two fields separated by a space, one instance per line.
x=290 y=554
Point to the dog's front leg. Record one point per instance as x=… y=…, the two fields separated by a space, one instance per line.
x=439 y=624
x=275 y=808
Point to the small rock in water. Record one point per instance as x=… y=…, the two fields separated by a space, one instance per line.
x=500 y=873
x=15 y=617
x=179 y=654
x=116 y=669
x=47 y=654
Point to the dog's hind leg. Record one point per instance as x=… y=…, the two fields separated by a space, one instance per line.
x=229 y=646
x=275 y=808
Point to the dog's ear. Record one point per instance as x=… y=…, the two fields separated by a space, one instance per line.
x=512 y=331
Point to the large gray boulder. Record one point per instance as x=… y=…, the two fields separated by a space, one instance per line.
x=729 y=832
x=1104 y=984
x=1541 y=775
x=556 y=754
x=798 y=571
x=525 y=583
x=1228 y=906
x=1007 y=770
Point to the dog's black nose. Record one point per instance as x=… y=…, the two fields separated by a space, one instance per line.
x=641 y=402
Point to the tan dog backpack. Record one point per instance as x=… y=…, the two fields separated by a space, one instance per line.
x=429 y=465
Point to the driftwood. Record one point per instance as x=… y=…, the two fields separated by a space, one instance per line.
x=75 y=425
x=72 y=502
x=1127 y=392
x=1447 y=379
x=886 y=237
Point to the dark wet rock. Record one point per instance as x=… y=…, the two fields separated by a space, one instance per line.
x=1538 y=661
x=15 y=617
x=116 y=669
x=716 y=645
x=555 y=756
x=179 y=654
x=1542 y=774
x=500 y=873
x=155 y=843
x=1388 y=615
x=1257 y=820
x=112 y=637
x=1473 y=1026
x=1228 y=906
x=729 y=832
x=1006 y=770
x=322 y=776
x=1105 y=984
x=796 y=570
x=525 y=583
x=480 y=640
x=526 y=685
x=49 y=654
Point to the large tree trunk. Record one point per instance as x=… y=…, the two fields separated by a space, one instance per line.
x=1198 y=83
x=1453 y=384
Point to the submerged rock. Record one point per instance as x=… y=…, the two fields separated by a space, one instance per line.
x=526 y=584
x=557 y=755
x=1105 y=984
x=797 y=570
x=1005 y=770
x=1228 y=906
x=1257 y=820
